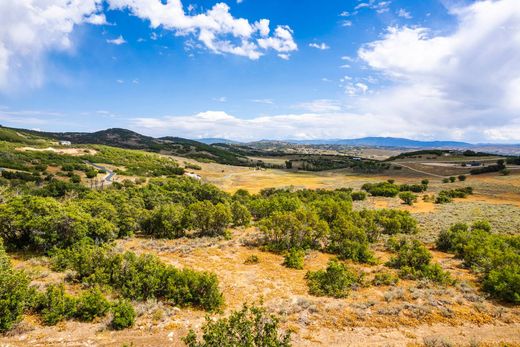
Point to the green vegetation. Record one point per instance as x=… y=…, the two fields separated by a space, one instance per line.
x=252 y=259
x=385 y=279
x=335 y=281
x=408 y=198
x=14 y=292
x=495 y=257
x=140 y=277
x=414 y=262
x=123 y=315
x=91 y=304
x=294 y=259
x=447 y=196
x=499 y=166
x=390 y=189
x=249 y=327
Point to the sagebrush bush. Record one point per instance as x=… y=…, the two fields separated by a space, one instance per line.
x=335 y=281
x=249 y=327
x=123 y=315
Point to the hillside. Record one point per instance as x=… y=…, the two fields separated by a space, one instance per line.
x=122 y=138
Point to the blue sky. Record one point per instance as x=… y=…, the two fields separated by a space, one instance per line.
x=335 y=69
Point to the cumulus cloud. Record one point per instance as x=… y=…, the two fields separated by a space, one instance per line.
x=216 y=28
x=467 y=80
x=29 y=29
x=297 y=126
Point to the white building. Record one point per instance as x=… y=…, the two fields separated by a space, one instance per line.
x=65 y=143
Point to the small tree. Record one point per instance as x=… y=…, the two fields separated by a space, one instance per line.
x=408 y=198
x=453 y=179
x=425 y=182
x=445 y=180
x=462 y=178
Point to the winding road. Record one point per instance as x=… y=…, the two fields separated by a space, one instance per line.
x=110 y=174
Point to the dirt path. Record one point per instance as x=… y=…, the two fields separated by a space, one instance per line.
x=420 y=171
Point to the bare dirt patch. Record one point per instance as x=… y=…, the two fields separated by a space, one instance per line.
x=67 y=151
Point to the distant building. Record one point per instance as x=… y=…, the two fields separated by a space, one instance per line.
x=65 y=143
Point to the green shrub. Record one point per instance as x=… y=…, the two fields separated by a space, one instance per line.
x=90 y=305
x=414 y=262
x=408 y=198
x=386 y=189
x=241 y=215
x=294 y=259
x=300 y=229
x=505 y=172
x=54 y=305
x=462 y=178
x=208 y=218
x=349 y=241
x=141 y=277
x=453 y=179
x=123 y=315
x=249 y=327
x=496 y=258
x=385 y=279
x=166 y=221
x=445 y=180
x=252 y=259
x=335 y=281
x=14 y=292
x=358 y=196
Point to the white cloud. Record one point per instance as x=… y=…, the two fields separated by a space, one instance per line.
x=216 y=28
x=220 y=99
x=467 y=81
x=378 y=6
x=346 y=23
x=29 y=29
x=320 y=106
x=263 y=101
x=321 y=46
x=297 y=126
x=404 y=13
x=117 y=41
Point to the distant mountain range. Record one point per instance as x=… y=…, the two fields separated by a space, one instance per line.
x=385 y=142
x=232 y=152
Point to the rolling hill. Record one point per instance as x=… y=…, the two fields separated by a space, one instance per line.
x=123 y=138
